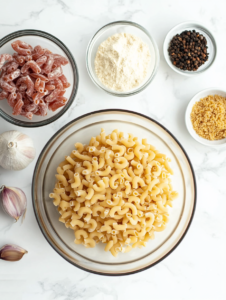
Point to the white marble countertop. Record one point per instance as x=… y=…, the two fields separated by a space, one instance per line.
x=197 y=268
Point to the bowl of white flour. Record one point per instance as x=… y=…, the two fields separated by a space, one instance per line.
x=122 y=58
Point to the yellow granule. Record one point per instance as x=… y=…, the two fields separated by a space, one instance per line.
x=208 y=117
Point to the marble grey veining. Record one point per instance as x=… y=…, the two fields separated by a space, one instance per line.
x=197 y=268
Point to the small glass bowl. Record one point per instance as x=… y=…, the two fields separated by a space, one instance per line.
x=46 y=40
x=211 y=43
x=120 y=27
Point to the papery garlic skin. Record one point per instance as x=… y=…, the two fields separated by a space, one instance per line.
x=14 y=201
x=12 y=252
x=16 y=150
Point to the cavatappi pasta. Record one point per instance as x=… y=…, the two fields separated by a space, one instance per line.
x=115 y=190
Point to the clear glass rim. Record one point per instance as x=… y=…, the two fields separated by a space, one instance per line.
x=37 y=215
x=207 y=31
x=142 y=87
x=59 y=43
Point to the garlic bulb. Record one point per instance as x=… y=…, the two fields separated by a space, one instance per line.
x=12 y=253
x=14 y=201
x=16 y=150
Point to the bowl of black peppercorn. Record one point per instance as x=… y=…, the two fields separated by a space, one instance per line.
x=190 y=48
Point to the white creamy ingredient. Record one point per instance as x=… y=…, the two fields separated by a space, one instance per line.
x=122 y=61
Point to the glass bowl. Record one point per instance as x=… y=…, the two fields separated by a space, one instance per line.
x=204 y=93
x=211 y=43
x=46 y=40
x=121 y=27
x=96 y=260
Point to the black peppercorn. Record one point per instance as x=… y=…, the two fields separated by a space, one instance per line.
x=188 y=50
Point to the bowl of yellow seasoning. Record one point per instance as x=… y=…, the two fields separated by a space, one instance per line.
x=205 y=117
x=122 y=58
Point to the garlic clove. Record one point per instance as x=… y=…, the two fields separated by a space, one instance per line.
x=12 y=252
x=14 y=201
x=16 y=150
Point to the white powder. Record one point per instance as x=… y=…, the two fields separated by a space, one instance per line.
x=122 y=61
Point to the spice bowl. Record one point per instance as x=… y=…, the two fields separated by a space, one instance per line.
x=196 y=98
x=211 y=44
x=50 y=42
x=122 y=27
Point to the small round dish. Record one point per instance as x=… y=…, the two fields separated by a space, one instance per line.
x=46 y=40
x=120 y=27
x=196 y=98
x=211 y=43
x=96 y=260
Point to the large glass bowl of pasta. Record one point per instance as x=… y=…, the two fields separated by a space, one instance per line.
x=114 y=192
x=38 y=78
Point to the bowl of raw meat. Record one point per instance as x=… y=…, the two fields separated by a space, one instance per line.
x=38 y=78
